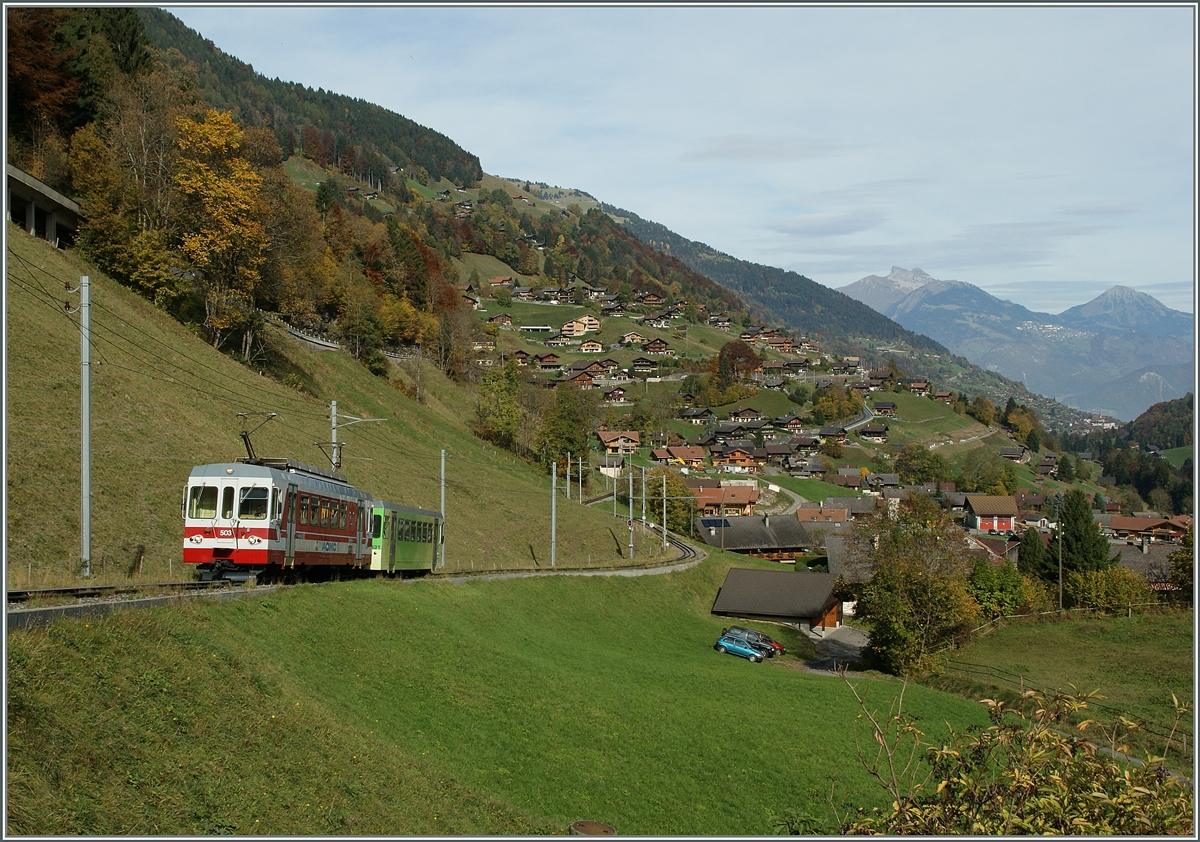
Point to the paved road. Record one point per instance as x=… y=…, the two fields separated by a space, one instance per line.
x=837 y=648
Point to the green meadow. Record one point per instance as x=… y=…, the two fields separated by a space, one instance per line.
x=419 y=707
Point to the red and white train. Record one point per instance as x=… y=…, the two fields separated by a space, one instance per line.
x=253 y=516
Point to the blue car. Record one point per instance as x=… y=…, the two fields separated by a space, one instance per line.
x=737 y=646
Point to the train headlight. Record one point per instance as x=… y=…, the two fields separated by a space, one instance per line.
x=195 y=539
x=253 y=539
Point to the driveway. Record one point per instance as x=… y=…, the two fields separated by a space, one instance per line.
x=837 y=648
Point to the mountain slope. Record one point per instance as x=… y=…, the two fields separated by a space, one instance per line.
x=1123 y=310
x=287 y=108
x=880 y=293
x=798 y=302
x=1115 y=355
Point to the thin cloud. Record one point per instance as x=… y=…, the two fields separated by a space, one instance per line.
x=1096 y=208
x=868 y=191
x=832 y=224
x=760 y=148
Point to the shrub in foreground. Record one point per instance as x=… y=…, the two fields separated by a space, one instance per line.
x=1029 y=772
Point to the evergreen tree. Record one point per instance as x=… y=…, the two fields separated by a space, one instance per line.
x=1031 y=557
x=1066 y=468
x=1033 y=440
x=1084 y=549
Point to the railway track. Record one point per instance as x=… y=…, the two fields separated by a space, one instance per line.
x=86 y=591
x=88 y=600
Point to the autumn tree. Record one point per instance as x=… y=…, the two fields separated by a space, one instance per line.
x=916 y=600
x=916 y=463
x=223 y=238
x=498 y=413
x=1181 y=566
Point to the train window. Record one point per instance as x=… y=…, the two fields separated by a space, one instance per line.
x=303 y=510
x=342 y=515
x=376 y=526
x=276 y=504
x=254 y=504
x=324 y=512
x=407 y=530
x=203 y=502
x=227 y=503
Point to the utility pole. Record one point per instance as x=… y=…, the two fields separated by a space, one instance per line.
x=418 y=374
x=443 y=510
x=336 y=458
x=553 y=510
x=1058 y=505
x=85 y=421
x=643 y=493
x=568 y=475
x=581 y=479
x=664 y=512
x=631 y=510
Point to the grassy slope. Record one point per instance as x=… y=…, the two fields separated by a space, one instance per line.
x=500 y=707
x=163 y=401
x=1136 y=663
x=1178 y=455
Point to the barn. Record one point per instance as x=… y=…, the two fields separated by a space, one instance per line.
x=805 y=600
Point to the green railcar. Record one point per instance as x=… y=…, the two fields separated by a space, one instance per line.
x=405 y=539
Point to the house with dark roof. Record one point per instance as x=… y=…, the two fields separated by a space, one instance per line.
x=884 y=408
x=805 y=600
x=874 y=432
x=697 y=415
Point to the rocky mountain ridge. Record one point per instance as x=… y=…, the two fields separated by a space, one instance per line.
x=1116 y=354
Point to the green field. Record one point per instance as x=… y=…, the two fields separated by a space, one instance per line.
x=1135 y=662
x=1178 y=455
x=428 y=707
x=924 y=421
x=812 y=489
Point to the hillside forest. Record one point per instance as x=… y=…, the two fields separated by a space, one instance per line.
x=197 y=211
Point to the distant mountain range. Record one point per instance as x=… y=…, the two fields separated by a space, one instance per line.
x=800 y=303
x=1117 y=354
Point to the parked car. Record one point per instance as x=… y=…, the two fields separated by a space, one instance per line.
x=756 y=639
x=737 y=646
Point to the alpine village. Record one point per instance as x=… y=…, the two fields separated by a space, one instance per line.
x=564 y=468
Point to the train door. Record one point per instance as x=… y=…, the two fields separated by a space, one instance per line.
x=225 y=523
x=289 y=544
x=358 y=512
x=439 y=546
x=392 y=521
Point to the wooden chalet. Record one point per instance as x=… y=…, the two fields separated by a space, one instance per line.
x=620 y=442
x=658 y=347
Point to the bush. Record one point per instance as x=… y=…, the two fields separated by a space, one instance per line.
x=1106 y=590
x=1024 y=774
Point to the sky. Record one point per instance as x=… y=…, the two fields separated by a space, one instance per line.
x=1042 y=154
